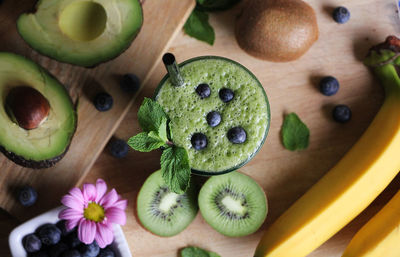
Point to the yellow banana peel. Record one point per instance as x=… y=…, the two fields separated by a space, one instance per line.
x=354 y=182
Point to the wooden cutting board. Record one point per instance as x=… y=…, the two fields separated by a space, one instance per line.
x=291 y=87
x=162 y=21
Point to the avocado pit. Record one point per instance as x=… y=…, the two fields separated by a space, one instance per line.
x=27 y=107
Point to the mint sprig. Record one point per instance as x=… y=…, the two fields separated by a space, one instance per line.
x=197 y=26
x=174 y=160
x=197 y=252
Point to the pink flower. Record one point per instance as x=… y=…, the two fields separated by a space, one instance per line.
x=94 y=212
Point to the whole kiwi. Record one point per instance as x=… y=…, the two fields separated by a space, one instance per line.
x=276 y=30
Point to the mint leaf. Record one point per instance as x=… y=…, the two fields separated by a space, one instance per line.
x=146 y=142
x=162 y=130
x=295 y=134
x=215 y=5
x=176 y=169
x=197 y=252
x=197 y=26
x=151 y=116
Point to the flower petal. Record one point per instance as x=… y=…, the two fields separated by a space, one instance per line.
x=72 y=202
x=116 y=215
x=71 y=224
x=89 y=192
x=101 y=188
x=104 y=235
x=86 y=231
x=69 y=214
x=77 y=193
x=109 y=199
x=121 y=204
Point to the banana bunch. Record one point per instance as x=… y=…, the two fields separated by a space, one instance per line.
x=350 y=186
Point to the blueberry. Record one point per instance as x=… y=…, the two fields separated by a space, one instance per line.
x=226 y=95
x=119 y=148
x=341 y=113
x=130 y=83
x=31 y=243
x=61 y=226
x=39 y=254
x=341 y=14
x=213 y=118
x=237 y=135
x=329 y=86
x=90 y=250
x=106 y=252
x=199 y=141
x=27 y=196
x=57 y=249
x=49 y=234
x=103 y=102
x=71 y=253
x=203 y=90
x=72 y=240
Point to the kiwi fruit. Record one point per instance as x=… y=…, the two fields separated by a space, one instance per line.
x=233 y=204
x=276 y=30
x=162 y=211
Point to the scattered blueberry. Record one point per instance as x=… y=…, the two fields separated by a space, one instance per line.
x=213 y=118
x=31 y=243
x=341 y=14
x=49 y=234
x=203 y=90
x=329 y=86
x=341 y=113
x=61 y=226
x=106 y=252
x=237 y=135
x=72 y=240
x=103 y=102
x=226 y=95
x=130 y=83
x=57 y=249
x=199 y=141
x=27 y=196
x=71 y=253
x=39 y=254
x=90 y=250
x=119 y=148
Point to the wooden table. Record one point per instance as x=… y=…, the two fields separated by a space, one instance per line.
x=291 y=87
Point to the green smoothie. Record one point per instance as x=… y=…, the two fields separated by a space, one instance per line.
x=231 y=139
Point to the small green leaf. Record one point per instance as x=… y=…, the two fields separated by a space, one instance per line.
x=146 y=142
x=151 y=116
x=295 y=134
x=162 y=130
x=197 y=252
x=197 y=26
x=176 y=169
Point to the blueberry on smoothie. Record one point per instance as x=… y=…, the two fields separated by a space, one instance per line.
x=226 y=95
x=31 y=243
x=213 y=118
x=199 y=141
x=237 y=135
x=203 y=90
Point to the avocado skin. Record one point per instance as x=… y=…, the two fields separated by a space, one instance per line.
x=34 y=10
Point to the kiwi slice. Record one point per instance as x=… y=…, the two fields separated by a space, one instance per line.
x=162 y=211
x=233 y=204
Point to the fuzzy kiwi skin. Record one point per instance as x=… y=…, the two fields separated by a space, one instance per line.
x=276 y=30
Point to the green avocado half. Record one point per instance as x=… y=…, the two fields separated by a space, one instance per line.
x=37 y=116
x=82 y=32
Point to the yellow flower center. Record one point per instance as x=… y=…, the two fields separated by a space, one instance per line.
x=94 y=212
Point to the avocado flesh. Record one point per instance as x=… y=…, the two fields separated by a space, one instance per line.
x=41 y=147
x=82 y=32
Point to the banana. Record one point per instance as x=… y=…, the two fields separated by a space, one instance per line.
x=354 y=182
x=380 y=236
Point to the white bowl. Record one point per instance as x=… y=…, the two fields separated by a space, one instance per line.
x=120 y=246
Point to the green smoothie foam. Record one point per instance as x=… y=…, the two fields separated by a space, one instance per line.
x=187 y=113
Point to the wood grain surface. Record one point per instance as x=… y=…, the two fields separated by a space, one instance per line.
x=291 y=87
x=94 y=128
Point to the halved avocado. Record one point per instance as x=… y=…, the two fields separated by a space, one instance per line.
x=37 y=116
x=82 y=32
